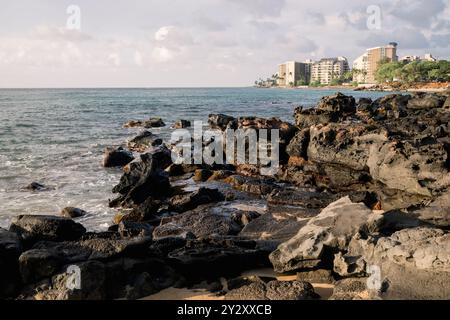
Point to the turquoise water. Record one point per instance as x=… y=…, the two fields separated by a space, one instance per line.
x=57 y=137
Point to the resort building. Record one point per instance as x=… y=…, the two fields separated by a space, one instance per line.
x=293 y=73
x=327 y=69
x=377 y=55
x=360 y=67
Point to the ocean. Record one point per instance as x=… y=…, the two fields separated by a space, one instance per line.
x=57 y=137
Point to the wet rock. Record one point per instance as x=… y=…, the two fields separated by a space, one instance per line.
x=144 y=178
x=182 y=124
x=244 y=217
x=331 y=230
x=71 y=212
x=316 y=276
x=36 y=186
x=202 y=222
x=33 y=228
x=175 y=170
x=143 y=141
x=10 y=250
x=393 y=106
x=301 y=197
x=154 y=123
x=219 y=175
x=185 y=202
x=133 y=124
x=145 y=211
x=116 y=157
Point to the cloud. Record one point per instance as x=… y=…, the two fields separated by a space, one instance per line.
x=440 y=40
x=417 y=12
x=261 y=8
x=407 y=38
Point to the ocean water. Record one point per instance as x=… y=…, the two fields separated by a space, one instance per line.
x=57 y=137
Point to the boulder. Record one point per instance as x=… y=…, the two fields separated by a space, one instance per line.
x=273 y=290
x=298 y=146
x=143 y=141
x=253 y=185
x=338 y=103
x=353 y=289
x=316 y=276
x=10 y=250
x=204 y=221
x=71 y=212
x=201 y=175
x=414 y=263
x=181 y=124
x=116 y=157
x=437 y=212
x=33 y=228
x=144 y=178
x=221 y=121
x=154 y=123
x=129 y=229
x=145 y=211
x=426 y=101
x=185 y=202
x=315 y=243
x=36 y=186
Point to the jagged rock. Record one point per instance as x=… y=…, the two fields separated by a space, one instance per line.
x=181 y=124
x=201 y=175
x=392 y=106
x=202 y=222
x=144 y=178
x=133 y=229
x=301 y=197
x=185 y=202
x=337 y=103
x=218 y=175
x=414 y=263
x=316 y=276
x=92 y=284
x=353 y=289
x=33 y=228
x=273 y=290
x=290 y=290
x=426 y=101
x=10 y=250
x=298 y=146
x=437 y=212
x=154 y=123
x=243 y=218
x=143 y=141
x=71 y=212
x=221 y=121
x=346 y=266
x=145 y=211
x=46 y=259
x=116 y=157
x=263 y=186
x=331 y=230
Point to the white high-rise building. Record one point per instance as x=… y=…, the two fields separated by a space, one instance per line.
x=328 y=69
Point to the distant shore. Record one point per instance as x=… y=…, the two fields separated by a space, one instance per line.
x=425 y=87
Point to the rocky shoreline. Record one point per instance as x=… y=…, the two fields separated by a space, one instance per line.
x=361 y=200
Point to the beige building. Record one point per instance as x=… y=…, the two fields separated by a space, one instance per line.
x=293 y=73
x=325 y=70
x=376 y=55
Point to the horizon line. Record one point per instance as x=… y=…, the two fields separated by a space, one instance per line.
x=125 y=87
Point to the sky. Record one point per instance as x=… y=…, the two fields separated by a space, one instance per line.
x=201 y=43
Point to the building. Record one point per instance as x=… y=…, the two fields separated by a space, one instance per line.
x=327 y=69
x=429 y=57
x=293 y=73
x=407 y=59
x=377 y=55
x=360 y=66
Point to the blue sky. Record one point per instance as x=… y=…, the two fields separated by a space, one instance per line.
x=155 y=43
